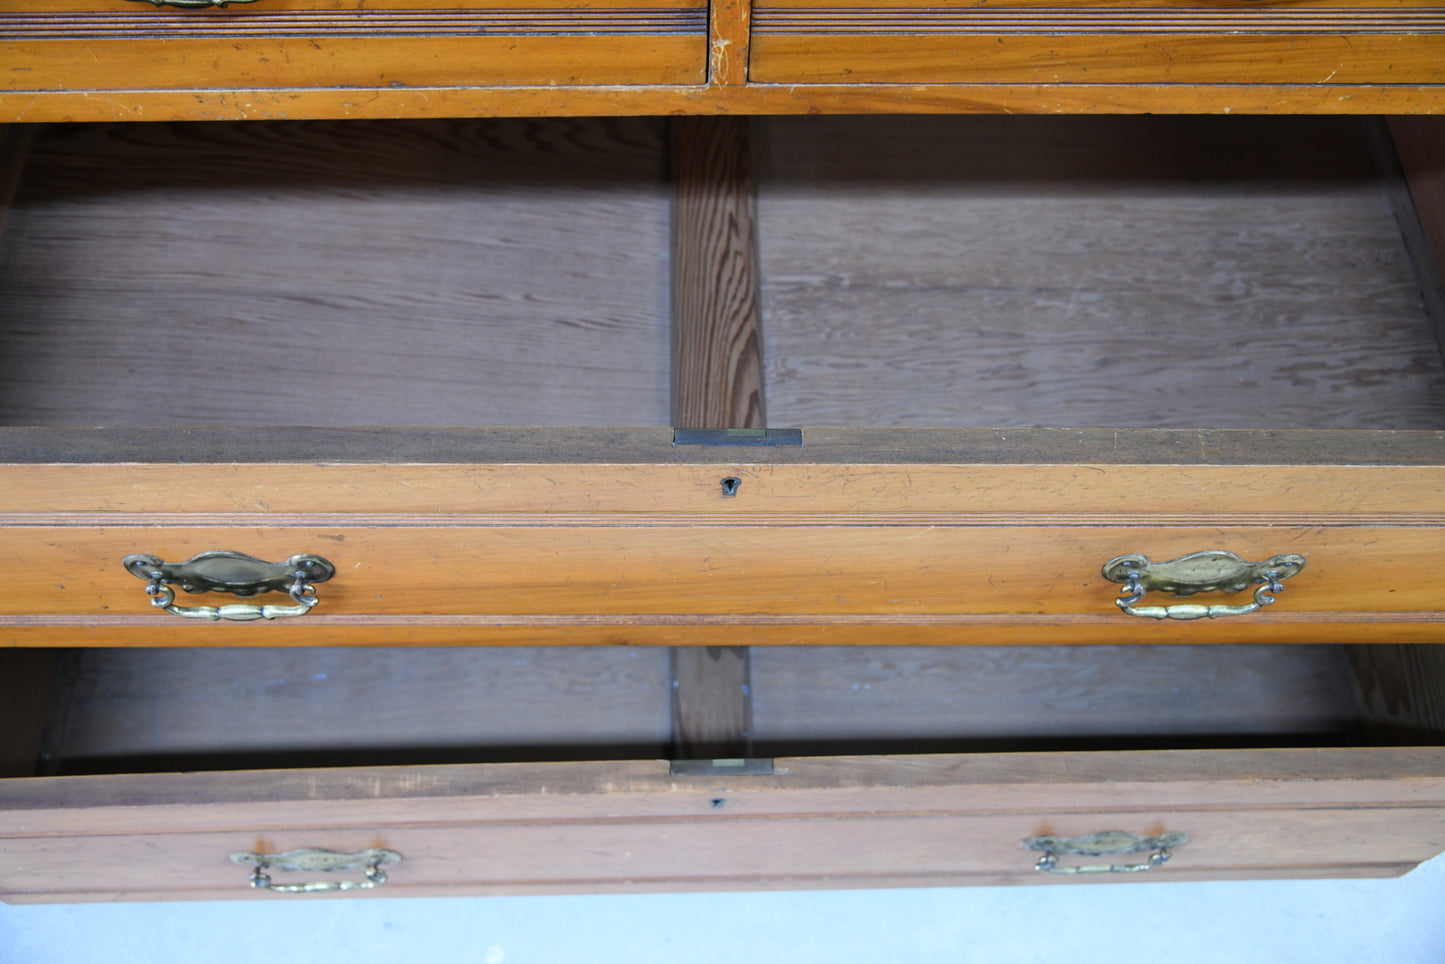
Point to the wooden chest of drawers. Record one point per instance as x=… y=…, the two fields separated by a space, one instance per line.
x=1243 y=304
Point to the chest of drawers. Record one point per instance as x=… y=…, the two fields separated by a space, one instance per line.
x=1230 y=316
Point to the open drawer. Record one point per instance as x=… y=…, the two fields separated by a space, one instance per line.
x=238 y=45
x=1170 y=278
x=475 y=771
x=650 y=536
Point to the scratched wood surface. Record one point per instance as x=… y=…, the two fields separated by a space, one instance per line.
x=1087 y=271
x=436 y=273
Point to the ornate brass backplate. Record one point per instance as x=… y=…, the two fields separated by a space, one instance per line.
x=1212 y=570
x=230 y=572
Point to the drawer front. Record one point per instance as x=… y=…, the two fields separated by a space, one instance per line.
x=602 y=583
x=821 y=822
x=120 y=45
x=621 y=536
x=1087 y=41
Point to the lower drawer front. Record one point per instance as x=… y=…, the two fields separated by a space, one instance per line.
x=822 y=822
x=731 y=583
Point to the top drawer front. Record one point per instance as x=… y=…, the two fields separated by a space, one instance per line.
x=118 y=44
x=1088 y=41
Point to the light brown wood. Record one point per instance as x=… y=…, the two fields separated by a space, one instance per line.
x=447 y=48
x=836 y=475
x=815 y=822
x=342 y=274
x=925 y=46
x=776 y=583
x=1227 y=272
x=729 y=37
x=889 y=543
x=717 y=364
x=751 y=99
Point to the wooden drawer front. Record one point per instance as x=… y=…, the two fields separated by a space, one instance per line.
x=821 y=822
x=1086 y=41
x=114 y=44
x=921 y=583
x=902 y=536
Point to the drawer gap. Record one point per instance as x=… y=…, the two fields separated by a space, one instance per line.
x=163 y=710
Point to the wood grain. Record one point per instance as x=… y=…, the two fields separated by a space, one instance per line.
x=1420 y=146
x=1072 y=271
x=1184 y=56
x=712 y=703
x=816 y=822
x=141 y=710
x=716 y=343
x=259 y=103
x=716 y=358
x=1402 y=692
x=700 y=573
x=828 y=700
x=531 y=288
x=321 y=60
x=729 y=40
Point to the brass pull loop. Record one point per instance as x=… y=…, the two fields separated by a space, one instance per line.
x=234 y=573
x=317 y=861
x=1100 y=844
x=1213 y=570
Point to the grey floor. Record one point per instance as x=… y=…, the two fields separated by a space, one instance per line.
x=1400 y=921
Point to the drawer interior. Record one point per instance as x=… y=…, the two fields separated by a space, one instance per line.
x=168 y=710
x=407 y=273
x=1222 y=272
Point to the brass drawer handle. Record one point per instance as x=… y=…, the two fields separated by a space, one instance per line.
x=1213 y=570
x=193 y=4
x=1102 y=844
x=234 y=573
x=317 y=861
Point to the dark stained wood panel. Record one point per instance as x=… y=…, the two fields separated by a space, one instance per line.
x=1123 y=272
x=894 y=699
x=716 y=345
x=431 y=273
x=189 y=709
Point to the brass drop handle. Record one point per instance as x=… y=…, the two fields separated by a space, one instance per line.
x=317 y=861
x=234 y=573
x=193 y=4
x=1213 y=570
x=1103 y=844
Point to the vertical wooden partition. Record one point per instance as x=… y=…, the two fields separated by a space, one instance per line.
x=717 y=377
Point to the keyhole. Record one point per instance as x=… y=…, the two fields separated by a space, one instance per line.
x=730 y=485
